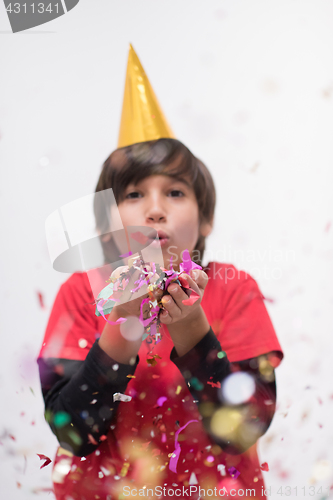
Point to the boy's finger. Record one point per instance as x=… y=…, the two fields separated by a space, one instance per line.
x=192 y=283
x=178 y=296
x=200 y=277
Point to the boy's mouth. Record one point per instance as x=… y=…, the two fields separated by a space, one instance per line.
x=161 y=240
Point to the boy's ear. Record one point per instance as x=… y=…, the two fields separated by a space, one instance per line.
x=206 y=228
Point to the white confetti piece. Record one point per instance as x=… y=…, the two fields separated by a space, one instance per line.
x=121 y=397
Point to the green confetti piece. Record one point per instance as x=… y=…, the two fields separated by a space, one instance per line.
x=31 y=389
x=107 y=308
x=196 y=384
x=48 y=416
x=61 y=419
x=75 y=437
x=221 y=354
x=106 y=294
x=144 y=336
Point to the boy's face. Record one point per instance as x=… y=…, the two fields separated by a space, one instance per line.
x=169 y=206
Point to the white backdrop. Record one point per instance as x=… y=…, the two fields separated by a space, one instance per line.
x=248 y=86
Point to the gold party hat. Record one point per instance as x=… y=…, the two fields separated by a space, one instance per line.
x=142 y=118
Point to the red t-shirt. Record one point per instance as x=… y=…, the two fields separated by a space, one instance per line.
x=142 y=438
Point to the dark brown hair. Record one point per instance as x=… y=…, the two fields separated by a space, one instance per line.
x=169 y=157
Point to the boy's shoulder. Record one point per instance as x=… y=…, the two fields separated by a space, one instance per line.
x=77 y=286
x=76 y=280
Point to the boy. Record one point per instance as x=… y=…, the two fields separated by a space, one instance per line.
x=201 y=396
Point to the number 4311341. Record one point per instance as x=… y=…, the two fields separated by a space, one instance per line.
x=304 y=491
x=39 y=8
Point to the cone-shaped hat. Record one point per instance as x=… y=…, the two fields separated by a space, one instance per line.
x=142 y=118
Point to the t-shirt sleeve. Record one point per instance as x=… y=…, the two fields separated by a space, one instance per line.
x=72 y=327
x=245 y=330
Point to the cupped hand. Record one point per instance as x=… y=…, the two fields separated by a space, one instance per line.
x=130 y=302
x=175 y=309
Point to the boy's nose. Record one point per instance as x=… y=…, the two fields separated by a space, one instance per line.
x=155 y=212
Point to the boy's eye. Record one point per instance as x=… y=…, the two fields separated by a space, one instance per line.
x=133 y=194
x=176 y=193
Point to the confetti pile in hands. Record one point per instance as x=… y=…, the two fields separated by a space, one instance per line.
x=155 y=279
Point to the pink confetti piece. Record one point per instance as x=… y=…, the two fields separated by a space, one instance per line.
x=41 y=300
x=47 y=460
x=183 y=282
x=175 y=455
x=161 y=400
x=264 y=466
x=144 y=446
x=187 y=265
x=91 y=439
x=100 y=310
x=192 y=299
x=234 y=473
x=139 y=237
x=213 y=384
x=127 y=254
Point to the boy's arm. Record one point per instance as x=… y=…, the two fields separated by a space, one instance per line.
x=79 y=397
x=235 y=427
x=78 y=384
x=198 y=355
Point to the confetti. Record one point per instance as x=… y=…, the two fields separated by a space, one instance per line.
x=47 y=460
x=61 y=418
x=91 y=439
x=75 y=437
x=221 y=469
x=234 y=473
x=264 y=466
x=121 y=397
x=213 y=384
x=140 y=237
x=152 y=361
x=193 y=479
x=41 y=300
x=175 y=455
x=196 y=384
x=150 y=307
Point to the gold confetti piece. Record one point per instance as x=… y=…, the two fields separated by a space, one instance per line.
x=124 y=469
x=152 y=361
x=179 y=388
x=130 y=376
